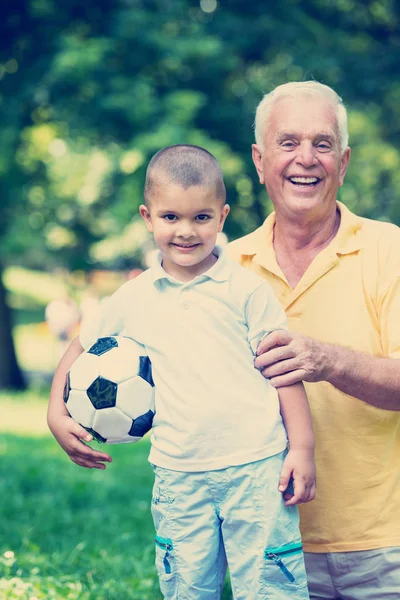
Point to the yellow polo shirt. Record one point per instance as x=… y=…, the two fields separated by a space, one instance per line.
x=350 y=296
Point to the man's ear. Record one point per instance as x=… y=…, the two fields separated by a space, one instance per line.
x=257 y=160
x=145 y=214
x=344 y=163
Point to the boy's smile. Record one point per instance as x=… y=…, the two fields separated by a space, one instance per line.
x=185 y=224
x=186 y=247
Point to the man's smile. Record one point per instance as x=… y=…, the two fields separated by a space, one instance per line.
x=303 y=180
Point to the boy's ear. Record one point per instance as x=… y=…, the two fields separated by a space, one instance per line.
x=145 y=214
x=224 y=214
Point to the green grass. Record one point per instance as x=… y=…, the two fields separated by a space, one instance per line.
x=67 y=532
x=72 y=533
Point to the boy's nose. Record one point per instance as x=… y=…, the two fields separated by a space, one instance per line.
x=185 y=230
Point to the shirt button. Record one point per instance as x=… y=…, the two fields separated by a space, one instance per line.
x=185 y=305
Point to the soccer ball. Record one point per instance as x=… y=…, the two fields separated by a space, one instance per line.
x=110 y=390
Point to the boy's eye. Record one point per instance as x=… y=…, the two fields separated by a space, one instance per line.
x=203 y=217
x=169 y=217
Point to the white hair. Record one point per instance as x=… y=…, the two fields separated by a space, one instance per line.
x=295 y=89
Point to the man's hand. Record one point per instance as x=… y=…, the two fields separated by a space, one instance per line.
x=300 y=465
x=286 y=358
x=70 y=436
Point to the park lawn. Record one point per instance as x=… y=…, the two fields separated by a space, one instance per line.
x=72 y=533
x=67 y=532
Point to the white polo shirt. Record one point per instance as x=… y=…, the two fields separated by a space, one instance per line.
x=213 y=408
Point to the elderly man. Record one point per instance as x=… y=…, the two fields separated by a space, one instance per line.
x=338 y=277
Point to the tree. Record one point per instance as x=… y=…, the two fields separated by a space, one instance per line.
x=98 y=87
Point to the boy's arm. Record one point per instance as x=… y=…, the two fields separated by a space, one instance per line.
x=67 y=432
x=299 y=463
x=264 y=314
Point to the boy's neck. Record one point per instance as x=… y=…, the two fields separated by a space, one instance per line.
x=186 y=274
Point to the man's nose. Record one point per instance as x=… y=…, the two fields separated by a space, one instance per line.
x=306 y=154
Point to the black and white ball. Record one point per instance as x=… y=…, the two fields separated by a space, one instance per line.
x=110 y=390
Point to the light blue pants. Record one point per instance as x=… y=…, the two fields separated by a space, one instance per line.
x=233 y=516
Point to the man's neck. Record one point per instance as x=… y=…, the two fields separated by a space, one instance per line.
x=296 y=244
x=307 y=235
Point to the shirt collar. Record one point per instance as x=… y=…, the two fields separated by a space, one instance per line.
x=218 y=272
x=259 y=244
x=347 y=239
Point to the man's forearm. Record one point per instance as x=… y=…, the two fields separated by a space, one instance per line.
x=371 y=379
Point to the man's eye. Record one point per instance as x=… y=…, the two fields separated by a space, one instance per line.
x=323 y=146
x=169 y=217
x=288 y=144
x=203 y=217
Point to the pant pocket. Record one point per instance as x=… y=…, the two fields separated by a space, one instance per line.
x=284 y=565
x=166 y=547
x=166 y=567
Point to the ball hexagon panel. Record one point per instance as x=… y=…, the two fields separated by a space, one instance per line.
x=80 y=408
x=84 y=371
x=111 y=423
x=123 y=361
x=135 y=397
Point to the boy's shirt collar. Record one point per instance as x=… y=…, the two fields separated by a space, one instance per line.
x=218 y=272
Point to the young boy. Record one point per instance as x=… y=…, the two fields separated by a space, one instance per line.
x=219 y=446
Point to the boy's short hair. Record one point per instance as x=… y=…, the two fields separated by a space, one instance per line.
x=187 y=166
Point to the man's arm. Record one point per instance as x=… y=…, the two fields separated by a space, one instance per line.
x=67 y=432
x=285 y=358
x=299 y=462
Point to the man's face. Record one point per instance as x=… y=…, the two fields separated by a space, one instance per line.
x=301 y=164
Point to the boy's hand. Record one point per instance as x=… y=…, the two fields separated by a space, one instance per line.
x=300 y=465
x=71 y=436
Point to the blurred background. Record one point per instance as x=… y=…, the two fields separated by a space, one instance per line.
x=89 y=91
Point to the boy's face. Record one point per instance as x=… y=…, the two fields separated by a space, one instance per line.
x=185 y=224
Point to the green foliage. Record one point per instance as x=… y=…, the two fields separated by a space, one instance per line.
x=98 y=87
x=90 y=91
x=38 y=288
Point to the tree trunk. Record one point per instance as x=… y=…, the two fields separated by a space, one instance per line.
x=11 y=376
